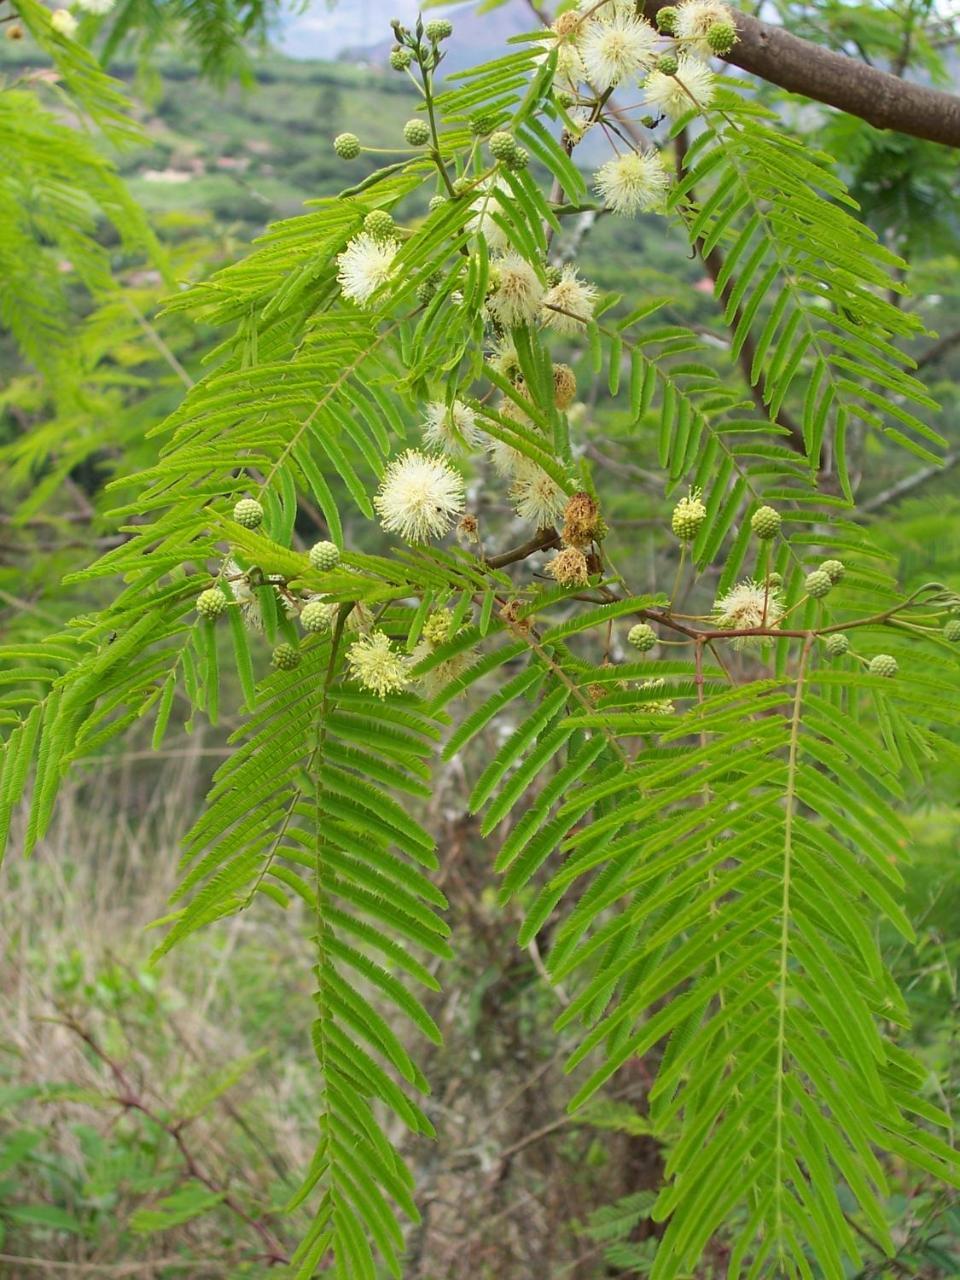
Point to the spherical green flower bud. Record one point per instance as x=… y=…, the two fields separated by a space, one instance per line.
x=462 y=186
x=951 y=630
x=427 y=288
x=324 y=556
x=883 y=665
x=347 y=146
x=721 y=38
x=314 y=616
x=483 y=122
x=379 y=224
x=520 y=158
x=666 y=19
x=286 y=657
x=836 y=645
x=438 y=29
x=766 y=522
x=416 y=132
x=400 y=59
x=436 y=202
x=211 y=603
x=667 y=64
x=688 y=515
x=818 y=584
x=502 y=145
x=774 y=580
x=642 y=637
x=249 y=513
x=834 y=569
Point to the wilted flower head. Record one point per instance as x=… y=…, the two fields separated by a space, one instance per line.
x=615 y=47
x=365 y=265
x=569 y=568
x=581 y=520
x=536 y=495
x=634 y=183
x=691 y=86
x=420 y=496
x=518 y=293
x=747 y=605
x=451 y=427
x=375 y=664
x=695 y=18
x=568 y=305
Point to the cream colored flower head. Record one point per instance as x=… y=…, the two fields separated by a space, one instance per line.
x=518 y=294
x=615 y=48
x=365 y=265
x=536 y=495
x=694 y=20
x=690 y=88
x=377 y=666
x=451 y=428
x=420 y=497
x=492 y=199
x=568 y=305
x=64 y=23
x=747 y=605
x=637 y=182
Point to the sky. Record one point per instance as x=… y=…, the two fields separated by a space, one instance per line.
x=324 y=31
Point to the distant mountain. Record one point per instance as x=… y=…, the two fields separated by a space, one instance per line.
x=359 y=30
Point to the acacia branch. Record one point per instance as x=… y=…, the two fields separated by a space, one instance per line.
x=800 y=66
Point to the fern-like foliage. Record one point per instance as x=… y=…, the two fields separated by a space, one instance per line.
x=704 y=840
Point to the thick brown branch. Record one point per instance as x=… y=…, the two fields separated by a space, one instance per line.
x=543 y=539
x=883 y=100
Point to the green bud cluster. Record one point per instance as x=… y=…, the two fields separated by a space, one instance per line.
x=766 y=522
x=817 y=584
x=313 y=616
x=836 y=645
x=721 y=38
x=286 y=657
x=249 y=513
x=883 y=664
x=347 y=146
x=211 y=603
x=324 y=556
x=400 y=59
x=379 y=224
x=642 y=637
x=416 y=132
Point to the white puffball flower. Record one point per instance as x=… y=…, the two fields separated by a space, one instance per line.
x=518 y=294
x=695 y=18
x=492 y=199
x=536 y=496
x=749 y=604
x=634 y=183
x=64 y=23
x=420 y=497
x=690 y=87
x=375 y=664
x=613 y=50
x=452 y=428
x=575 y=300
x=364 y=266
